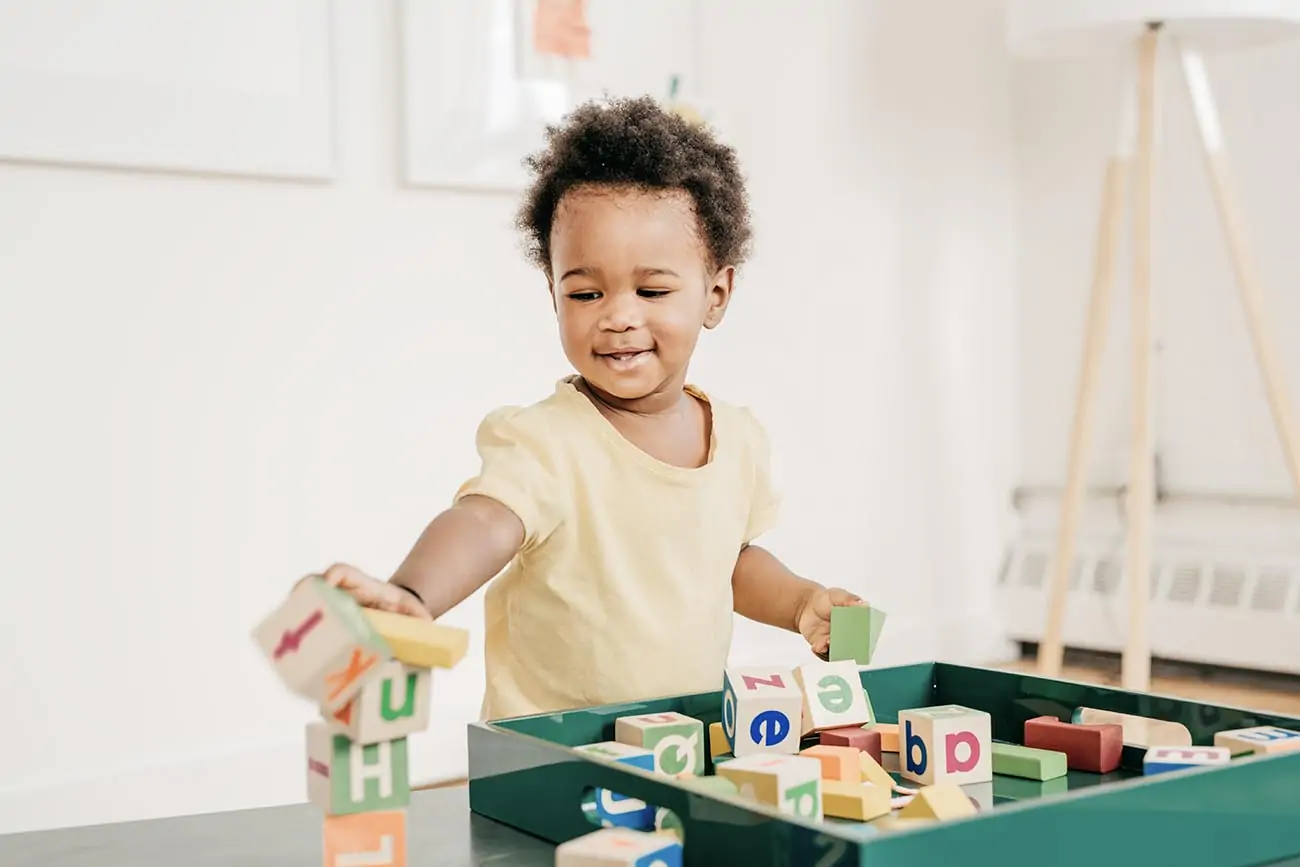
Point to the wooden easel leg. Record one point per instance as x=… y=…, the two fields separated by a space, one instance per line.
x=1135 y=665
x=1051 y=650
x=1248 y=282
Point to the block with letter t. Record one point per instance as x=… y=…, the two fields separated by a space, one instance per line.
x=344 y=777
x=676 y=740
x=762 y=711
x=833 y=696
x=947 y=743
x=392 y=704
x=321 y=644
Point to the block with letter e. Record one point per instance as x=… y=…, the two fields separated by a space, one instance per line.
x=392 y=704
x=946 y=743
x=762 y=711
x=1160 y=760
x=792 y=784
x=321 y=644
x=611 y=808
x=833 y=696
x=344 y=777
x=675 y=740
x=619 y=847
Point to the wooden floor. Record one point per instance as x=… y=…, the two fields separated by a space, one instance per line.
x=1255 y=691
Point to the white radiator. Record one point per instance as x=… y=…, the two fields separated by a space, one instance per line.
x=1235 y=605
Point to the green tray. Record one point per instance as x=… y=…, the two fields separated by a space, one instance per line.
x=523 y=774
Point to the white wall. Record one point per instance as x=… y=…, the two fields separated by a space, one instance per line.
x=1214 y=432
x=214 y=385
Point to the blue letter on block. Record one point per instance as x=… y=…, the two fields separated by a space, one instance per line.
x=914 y=766
x=729 y=710
x=772 y=723
x=613 y=809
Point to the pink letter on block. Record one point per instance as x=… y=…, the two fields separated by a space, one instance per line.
x=960 y=766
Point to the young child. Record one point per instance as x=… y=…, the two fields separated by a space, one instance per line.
x=622 y=507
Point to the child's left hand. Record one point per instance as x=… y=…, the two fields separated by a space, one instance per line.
x=815 y=618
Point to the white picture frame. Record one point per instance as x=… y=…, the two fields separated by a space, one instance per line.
x=477 y=99
x=240 y=87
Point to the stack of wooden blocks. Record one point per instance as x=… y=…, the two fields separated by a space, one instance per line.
x=370 y=674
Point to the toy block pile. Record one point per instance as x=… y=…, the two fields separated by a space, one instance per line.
x=370 y=674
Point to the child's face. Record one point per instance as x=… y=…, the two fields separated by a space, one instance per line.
x=632 y=287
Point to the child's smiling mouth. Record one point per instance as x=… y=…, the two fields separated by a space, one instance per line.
x=625 y=359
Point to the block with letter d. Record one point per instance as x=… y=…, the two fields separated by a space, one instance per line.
x=676 y=740
x=611 y=808
x=1159 y=760
x=946 y=743
x=392 y=704
x=321 y=644
x=833 y=696
x=762 y=711
x=345 y=777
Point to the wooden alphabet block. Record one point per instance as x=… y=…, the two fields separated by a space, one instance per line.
x=940 y=801
x=320 y=644
x=612 y=809
x=833 y=696
x=1258 y=739
x=1160 y=760
x=345 y=777
x=762 y=711
x=717 y=741
x=855 y=629
x=792 y=784
x=946 y=743
x=676 y=740
x=365 y=839
x=392 y=704
x=1093 y=748
x=1013 y=760
x=858 y=738
x=874 y=773
x=860 y=801
x=838 y=763
x=417 y=642
x=619 y=847
x=888 y=736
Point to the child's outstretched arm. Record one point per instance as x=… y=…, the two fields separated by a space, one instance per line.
x=765 y=590
x=462 y=549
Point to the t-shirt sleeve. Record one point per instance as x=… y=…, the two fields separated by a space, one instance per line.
x=765 y=502
x=519 y=470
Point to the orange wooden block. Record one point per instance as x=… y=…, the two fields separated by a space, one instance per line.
x=838 y=763
x=373 y=839
x=888 y=736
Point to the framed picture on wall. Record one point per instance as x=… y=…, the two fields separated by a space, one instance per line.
x=483 y=78
x=238 y=87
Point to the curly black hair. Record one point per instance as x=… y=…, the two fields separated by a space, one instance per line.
x=638 y=143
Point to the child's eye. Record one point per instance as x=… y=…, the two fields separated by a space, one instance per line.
x=584 y=296
x=652 y=293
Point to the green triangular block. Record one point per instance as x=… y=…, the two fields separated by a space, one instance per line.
x=855 y=629
x=874 y=628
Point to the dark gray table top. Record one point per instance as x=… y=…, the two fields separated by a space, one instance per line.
x=440 y=831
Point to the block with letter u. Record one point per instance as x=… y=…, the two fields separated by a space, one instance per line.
x=946 y=743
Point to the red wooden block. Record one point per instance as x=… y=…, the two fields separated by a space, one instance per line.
x=1094 y=748
x=856 y=737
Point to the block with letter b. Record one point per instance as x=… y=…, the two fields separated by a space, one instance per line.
x=619 y=847
x=392 y=704
x=762 y=711
x=1160 y=760
x=366 y=839
x=321 y=644
x=344 y=777
x=833 y=696
x=676 y=740
x=946 y=743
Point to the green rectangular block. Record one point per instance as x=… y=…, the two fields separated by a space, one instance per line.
x=855 y=629
x=1013 y=760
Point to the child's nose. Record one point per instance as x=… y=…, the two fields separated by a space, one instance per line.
x=622 y=313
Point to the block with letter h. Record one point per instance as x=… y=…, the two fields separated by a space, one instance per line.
x=762 y=711
x=946 y=743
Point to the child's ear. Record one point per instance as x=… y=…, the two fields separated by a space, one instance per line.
x=719 y=296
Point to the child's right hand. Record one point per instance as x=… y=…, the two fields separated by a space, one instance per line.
x=373 y=593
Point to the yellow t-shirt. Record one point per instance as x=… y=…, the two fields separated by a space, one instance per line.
x=622 y=588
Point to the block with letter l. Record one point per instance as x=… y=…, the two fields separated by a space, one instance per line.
x=366 y=839
x=344 y=777
x=945 y=743
x=762 y=711
x=321 y=644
